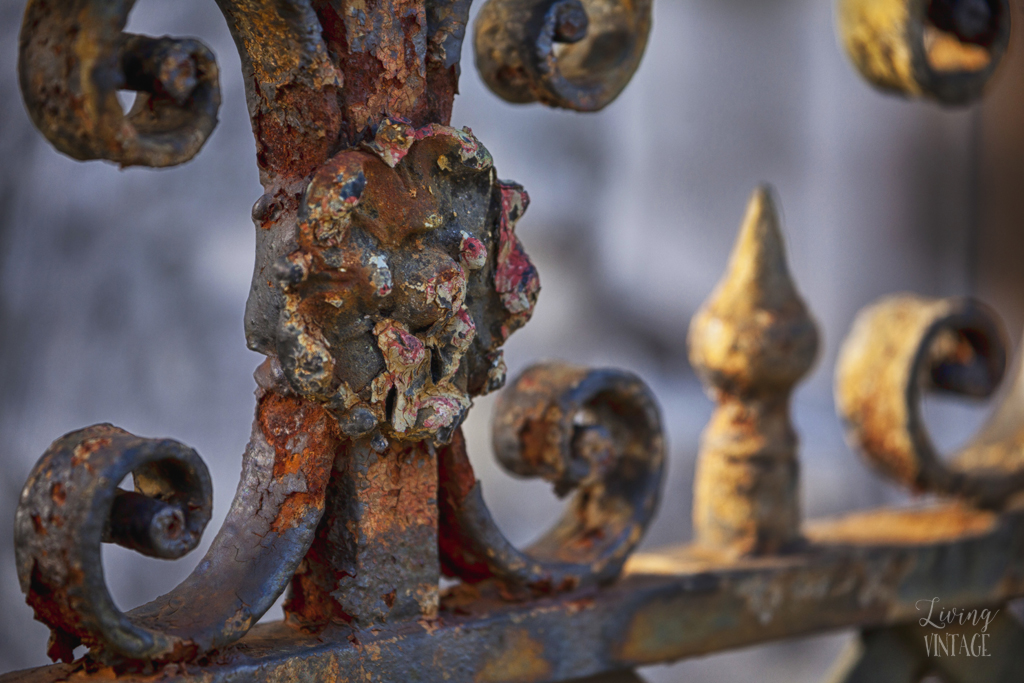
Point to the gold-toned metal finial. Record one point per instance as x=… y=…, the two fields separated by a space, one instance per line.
x=750 y=343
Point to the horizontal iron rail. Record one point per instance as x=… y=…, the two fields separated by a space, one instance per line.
x=863 y=570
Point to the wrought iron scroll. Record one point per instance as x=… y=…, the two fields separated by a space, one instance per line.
x=594 y=432
x=71 y=503
x=900 y=348
x=388 y=276
x=905 y=345
x=945 y=50
x=576 y=54
x=74 y=57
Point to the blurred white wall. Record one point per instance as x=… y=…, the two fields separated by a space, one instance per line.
x=121 y=292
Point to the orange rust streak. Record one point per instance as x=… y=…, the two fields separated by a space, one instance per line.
x=286 y=153
x=399 y=492
x=58 y=493
x=87 y=448
x=287 y=422
x=534 y=438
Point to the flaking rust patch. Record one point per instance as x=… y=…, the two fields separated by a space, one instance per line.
x=305 y=440
x=333 y=194
x=400 y=492
x=86 y=448
x=407 y=364
x=422 y=404
x=392 y=283
x=395 y=137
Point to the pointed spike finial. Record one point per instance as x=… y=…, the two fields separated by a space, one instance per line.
x=758 y=276
x=750 y=343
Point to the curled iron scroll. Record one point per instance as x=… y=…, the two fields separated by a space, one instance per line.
x=946 y=50
x=72 y=503
x=595 y=432
x=74 y=57
x=576 y=54
x=904 y=345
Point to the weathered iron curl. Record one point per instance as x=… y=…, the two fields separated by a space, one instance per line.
x=904 y=345
x=71 y=503
x=596 y=432
x=945 y=50
x=74 y=57
x=565 y=53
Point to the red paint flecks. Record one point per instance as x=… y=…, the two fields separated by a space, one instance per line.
x=395 y=136
x=515 y=277
x=472 y=252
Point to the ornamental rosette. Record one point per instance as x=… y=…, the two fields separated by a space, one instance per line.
x=405 y=278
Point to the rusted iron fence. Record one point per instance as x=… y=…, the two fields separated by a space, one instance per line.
x=389 y=275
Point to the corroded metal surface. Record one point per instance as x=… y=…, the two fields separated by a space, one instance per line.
x=72 y=497
x=750 y=343
x=866 y=570
x=405 y=280
x=388 y=276
x=945 y=50
x=899 y=348
x=71 y=504
x=903 y=346
x=576 y=54
x=375 y=555
x=74 y=57
x=595 y=432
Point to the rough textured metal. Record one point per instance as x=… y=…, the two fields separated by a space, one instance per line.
x=905 y=345
x=595 y=432
x=576 y=54
x=405 y=280
x=388 y=275
x=74 y=57
x=72 y=503
x=72 y=493
x=750 y=343
x=945 y=50
x=375 y=556
x=863 y=570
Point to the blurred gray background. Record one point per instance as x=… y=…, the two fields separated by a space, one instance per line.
x=122 y=292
